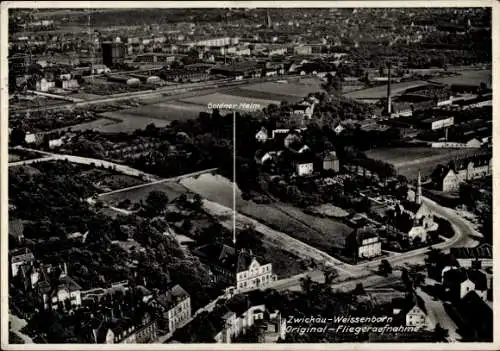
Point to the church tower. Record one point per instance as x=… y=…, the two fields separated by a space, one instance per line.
x=418 y=195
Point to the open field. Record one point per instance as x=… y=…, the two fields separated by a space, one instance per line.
x=129 y=122
x=219 y=98
x=98 y=124
x=322 y=233
x=211 y=187
x=472 y=77
x=408 y=161
x=285 y=264
x=171 y=189
x=299 y=88
x=264 y=95
x=380 y=92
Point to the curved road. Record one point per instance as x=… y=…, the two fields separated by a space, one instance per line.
x=465 y=235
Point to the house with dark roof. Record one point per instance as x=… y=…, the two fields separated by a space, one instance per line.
x=237 y=316
x=474 y=318
x=479 y=257
x=240 y=269
x=363 y=243
x=19 y=258
x=55 y=288
x=175 y=305
x=124 y=330
x=331 y=161
x=459 y=282
x=221 y=261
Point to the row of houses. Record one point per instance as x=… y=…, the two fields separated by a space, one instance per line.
x=56 y=290
x=448 y=178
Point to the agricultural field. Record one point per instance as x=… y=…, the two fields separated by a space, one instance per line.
x=171 y=189
x=160 y=114
x=99 y=125
x=408 y=161
x=219 y=98
x=322 y=233
x=328 y=210
x=297 y=88
x=264 y=95
x=129 y=122
x=472 y=77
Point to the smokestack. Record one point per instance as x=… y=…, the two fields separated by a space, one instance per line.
x=389 y=102
x=269 y=23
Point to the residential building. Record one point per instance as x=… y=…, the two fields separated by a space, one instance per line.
x=239 y=319
x=304 y=168
x=262 y=135
x=411 y=310
x=239 y=269
x=20 y=257
x=125 y=331
x=339 y=129
x=250 y=274
x=363 y=243
x=44 y=85
x=305 y=109
x=176 y=307
x=458 y=282
x=448 y=178
x=331 y=162
x=416 y=317
x=479 y=257
x=55 y=287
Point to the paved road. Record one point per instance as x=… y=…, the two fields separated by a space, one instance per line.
x=438 y=315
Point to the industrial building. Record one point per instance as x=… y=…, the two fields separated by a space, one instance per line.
x=113 y=53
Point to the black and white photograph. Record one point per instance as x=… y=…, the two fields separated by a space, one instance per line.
x=247 y=173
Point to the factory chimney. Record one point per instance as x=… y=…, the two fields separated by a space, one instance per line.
x=389 y=100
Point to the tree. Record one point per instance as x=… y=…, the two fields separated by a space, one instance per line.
x=17 y=136
x=155 y=203
x=306 y=284
x=385 y=268
x=440 y=333
x=330 y=274
x=359 y=289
